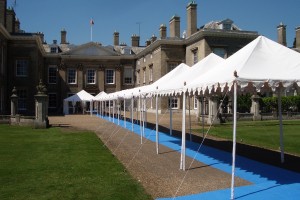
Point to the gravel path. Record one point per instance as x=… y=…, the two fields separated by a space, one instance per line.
x=159 y=174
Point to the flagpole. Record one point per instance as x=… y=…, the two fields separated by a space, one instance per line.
x=91 y=32
x=91 y=24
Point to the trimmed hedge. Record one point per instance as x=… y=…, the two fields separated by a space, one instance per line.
x=290 y=103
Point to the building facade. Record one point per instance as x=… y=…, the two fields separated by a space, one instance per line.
x=25 y=59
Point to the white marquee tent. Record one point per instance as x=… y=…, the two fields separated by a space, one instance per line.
x=81 y=96
x=261 y=61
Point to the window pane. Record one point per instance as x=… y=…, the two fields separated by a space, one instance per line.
x=173 y=102
x=110 y=76
x=220 y=52
x=21 y=67
x=195 y=56
x=128 y=75
x=91 y=76
x=171 y=66
x=72 y=76
x=52 y=76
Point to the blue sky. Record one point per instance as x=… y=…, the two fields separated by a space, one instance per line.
x=126 y=16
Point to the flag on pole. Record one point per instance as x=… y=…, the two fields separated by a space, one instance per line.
x=91 y=22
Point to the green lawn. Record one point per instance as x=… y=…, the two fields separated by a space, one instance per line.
x=262 y=133
x=51 y=164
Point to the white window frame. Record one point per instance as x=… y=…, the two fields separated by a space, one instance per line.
x=68 y=76
x=174 y=101
x=144 y=76
x=50 y=76
x=91 y=76
x=151 y=73
x=126 y=79
x=138 y=78
x=195 y=56
x=22 y=66
x=111 y=76
x=195 y=103
x=53 y=49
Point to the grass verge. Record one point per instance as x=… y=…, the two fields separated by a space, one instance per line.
x=51 y=164
x=262 y=133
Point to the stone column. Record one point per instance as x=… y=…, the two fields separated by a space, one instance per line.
x=14 y=102
x=213 y=110
x=255 y=107
x=41 y=107
x=229 y=105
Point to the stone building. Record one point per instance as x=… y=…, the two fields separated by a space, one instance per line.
x=25 y=58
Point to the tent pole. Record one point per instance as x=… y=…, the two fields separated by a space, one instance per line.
x=190 y=121
x=91 y=108
x=143 y=117
x=182 y=162
x=171 y=117
x=202 y=114
x=280 y=127
x=124 y=105
x=145 y=109
x=141 y=129
x=132 y=102
x=103 y=109
x=118 y=111
x=156 y=124
x=234 y=139
x=109 y=110
x=114 y=104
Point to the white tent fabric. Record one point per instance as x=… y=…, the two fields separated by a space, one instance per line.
x=101 y=95
x=261 y=61
x=80 y=96
x=176 y=84
x=164 y=80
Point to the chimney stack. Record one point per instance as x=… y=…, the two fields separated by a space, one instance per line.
x=153 y=38
x=10 y=20
x=281 y=32
x=116 y=38
x=63 y=38
x=17 y=25
x=148 y=42
x=135 y=40
x=163 y=31
x=298 y=37
x=3 y=6
x=175 y=26
x=191 y=18
x=41 y=35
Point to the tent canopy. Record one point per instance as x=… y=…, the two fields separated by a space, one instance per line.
x=100 y=96
x=261 y=61
x=176 y=84
x=80 y=96
x=164 y=80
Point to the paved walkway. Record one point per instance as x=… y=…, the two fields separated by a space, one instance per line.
x=261 y=181
x=268 y=182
